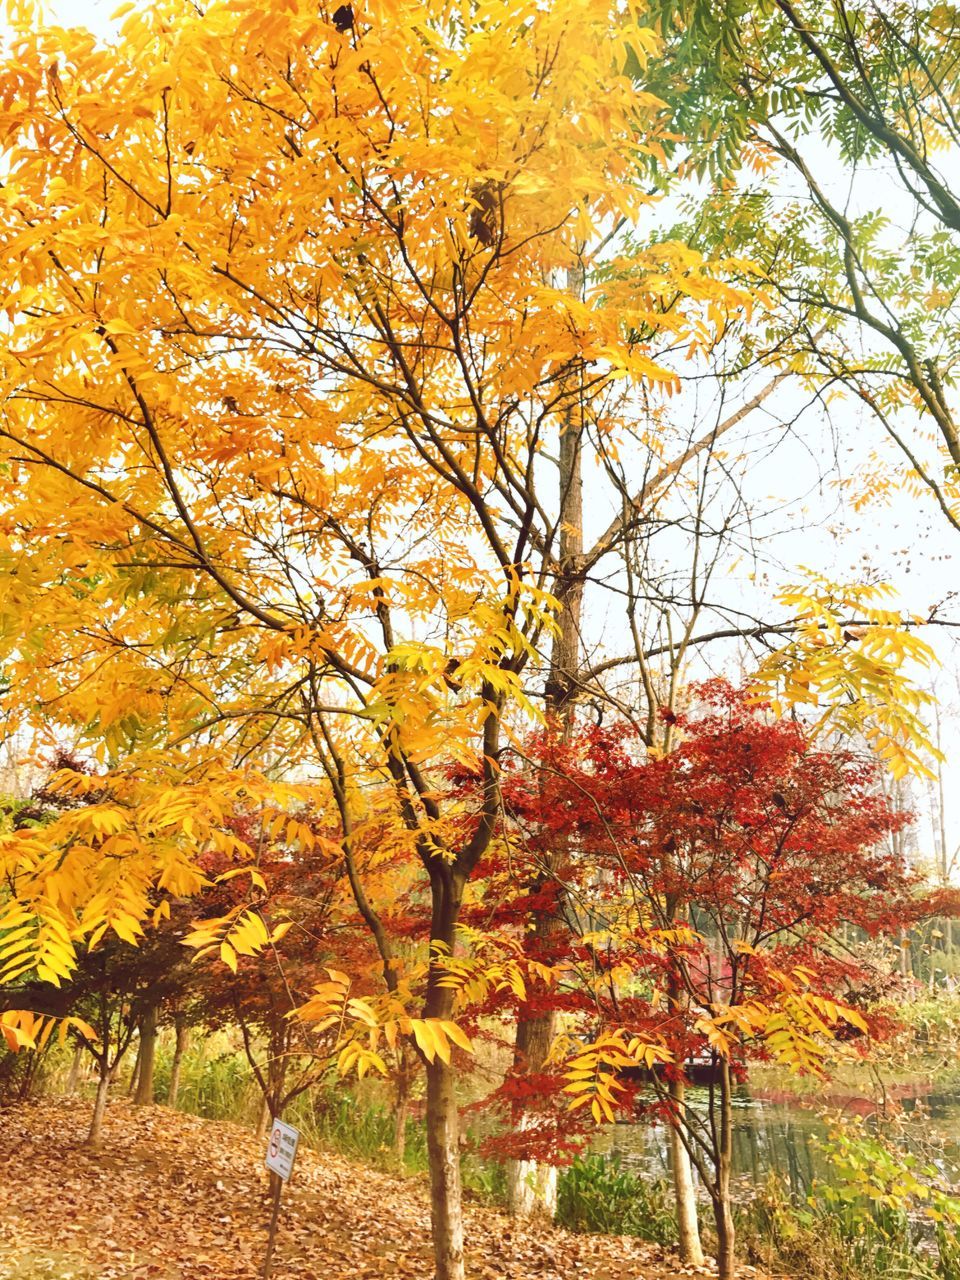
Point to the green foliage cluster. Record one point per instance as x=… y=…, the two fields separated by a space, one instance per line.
x=884 y=1214
x=217 y=1086
x=340 y=1121
x=596 y=1193
x=879 y=1200
x=935 y=1022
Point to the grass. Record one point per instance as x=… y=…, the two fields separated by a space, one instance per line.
x=597 y=1194
x=215 y=1080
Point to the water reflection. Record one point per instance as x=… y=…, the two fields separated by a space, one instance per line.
x=776 y=1132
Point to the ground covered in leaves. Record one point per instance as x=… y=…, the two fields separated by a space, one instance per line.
x=172 y=1197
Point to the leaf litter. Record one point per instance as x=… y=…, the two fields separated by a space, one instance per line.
x=170 y=1196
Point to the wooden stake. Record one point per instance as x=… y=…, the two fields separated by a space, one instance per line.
x=274 y=1218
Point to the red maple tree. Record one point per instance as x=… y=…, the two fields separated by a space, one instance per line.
x=706 y=893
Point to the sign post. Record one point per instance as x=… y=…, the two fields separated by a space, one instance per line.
x=281 y=1153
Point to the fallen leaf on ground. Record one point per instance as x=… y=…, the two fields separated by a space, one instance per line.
x=172 y=1197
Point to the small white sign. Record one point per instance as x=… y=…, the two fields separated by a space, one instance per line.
x=282 y=1149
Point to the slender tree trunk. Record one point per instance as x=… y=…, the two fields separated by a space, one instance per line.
x=443 y=1116
x=726 y=1239
x=100 y=1105
x=73 y=1079
x=400 y=1110
x=277 y=1070
x=179 y=1049
x=148 y=1056
x=263 y=1121
x=443 y=1148
x=531 y=1187
x=135 y=1073
x=685 y=1193
x=31 y=1072
x=684 y=1190
x=722 y=1206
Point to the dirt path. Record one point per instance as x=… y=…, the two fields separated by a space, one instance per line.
x=172 y=1197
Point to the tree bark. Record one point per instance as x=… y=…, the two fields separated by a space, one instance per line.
x=73 y=1079
x=443 y=1116
x=148 y=1055
x=726 y=1240
x=443 y=1148
x=263 y=1121
x=532 y=1188
x=135 y=1073
x=180 y=1048
x=722 y=1207
x=688 y=1228
x=400 y=1110
x=100 y=1105
x=31 y=1072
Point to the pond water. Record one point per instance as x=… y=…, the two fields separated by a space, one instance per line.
x=779 y=1132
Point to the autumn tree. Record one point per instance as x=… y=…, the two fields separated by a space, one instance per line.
x=291 y=350
x=259 y=991
x=113 y=990
x=270 y=485
x=798 y=111
x=730 y=78
x=719 y=875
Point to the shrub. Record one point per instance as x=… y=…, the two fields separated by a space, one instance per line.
x=596 y=1193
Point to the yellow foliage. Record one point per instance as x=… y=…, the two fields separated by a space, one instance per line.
x=285 y=318
x=360 y=1022
x=591 y=1070
x=851 y=658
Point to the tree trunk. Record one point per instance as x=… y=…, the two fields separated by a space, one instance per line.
x=532 y=1189
x=684 y=1191
x=135 y=1073
x=443 y=1117
x=400 y=1110
x=277 y=1069
x=722 y=1207
x=443 y=1149
x=180 y=1048
x=73 y=1079
x=688 y=1228
x=31 y=1072
x=263 y=1121
x=148 y=1055
x=100 y=1105
x=726 y=1236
